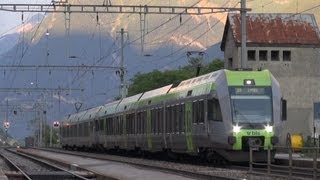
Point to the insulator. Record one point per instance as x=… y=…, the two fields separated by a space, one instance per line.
x=97 y=18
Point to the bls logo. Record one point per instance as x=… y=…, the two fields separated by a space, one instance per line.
x=253 y=133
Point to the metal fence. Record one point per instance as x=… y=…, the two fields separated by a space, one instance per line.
x=291 y=164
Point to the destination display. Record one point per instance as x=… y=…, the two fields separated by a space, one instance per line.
x=249 y=91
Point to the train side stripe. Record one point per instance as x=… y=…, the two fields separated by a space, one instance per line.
x=188 y=127
x=149 y=129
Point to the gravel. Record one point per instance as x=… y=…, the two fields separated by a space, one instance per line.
x=26 y=164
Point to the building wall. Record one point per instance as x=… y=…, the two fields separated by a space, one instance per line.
x=230 y=52
x=299 y=79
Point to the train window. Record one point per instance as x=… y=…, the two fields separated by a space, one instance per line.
x=71 y=131
x=160 y=118
x=80 y=130
x=201 y=111
x=128 y=124
x=116 y=122
x=85 y=129
x=127 y=120
x=121 y=125
x=74 y=130
x=181 y=117
x=107 y=130
x=110 y=126
x=132 y=123
x=153 y=121
x=189 y=93
x=138 y=122
x=67 y=131
x=101 y=125
x=195 y=111
x=168 y=119
x=116 y=125
x=142 y=124
x=96 y=125
x=145 y=122
x=175 y=119
x=214 y=110
x=198 y=112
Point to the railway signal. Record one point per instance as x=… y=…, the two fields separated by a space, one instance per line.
x=6 y=125
x=56 y=124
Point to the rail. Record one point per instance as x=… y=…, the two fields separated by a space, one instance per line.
x=16 y=167
x=183 y=172
x=51 y=165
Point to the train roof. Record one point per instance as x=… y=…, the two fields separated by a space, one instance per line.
x=91 y=113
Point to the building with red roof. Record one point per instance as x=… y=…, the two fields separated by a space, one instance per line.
x=289 y=46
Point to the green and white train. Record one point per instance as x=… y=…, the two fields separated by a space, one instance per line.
x=220 y=114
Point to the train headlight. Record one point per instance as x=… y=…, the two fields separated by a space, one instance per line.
x=236 y=129
x=248 y=82
x=268 y=128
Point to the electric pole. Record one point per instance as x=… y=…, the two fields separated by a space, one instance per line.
x=122 y=71
x=243 y=11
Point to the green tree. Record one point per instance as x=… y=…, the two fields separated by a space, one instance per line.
x=156 y=79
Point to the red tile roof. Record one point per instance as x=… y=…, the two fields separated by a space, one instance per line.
x=275 y=29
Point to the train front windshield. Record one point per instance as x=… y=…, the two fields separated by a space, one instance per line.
x=251 y=104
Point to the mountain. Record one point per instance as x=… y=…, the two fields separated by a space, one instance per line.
x=11 y=39
x=7 y=42
x=167 y=40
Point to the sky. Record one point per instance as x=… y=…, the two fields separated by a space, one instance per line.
x=9 y=20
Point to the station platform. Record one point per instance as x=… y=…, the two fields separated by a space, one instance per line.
x=105 y=168
x=298 y=159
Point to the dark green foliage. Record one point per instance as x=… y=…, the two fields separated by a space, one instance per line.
x=156 y=79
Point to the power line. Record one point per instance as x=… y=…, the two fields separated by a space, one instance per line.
x=178 y=50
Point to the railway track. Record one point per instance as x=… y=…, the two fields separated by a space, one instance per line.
x=29 y=167
x=200 y=171
x=188 y=170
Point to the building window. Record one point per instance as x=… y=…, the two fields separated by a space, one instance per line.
x=251 y=55
x=263 y=55
x=275 y=56
x=286 y=55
